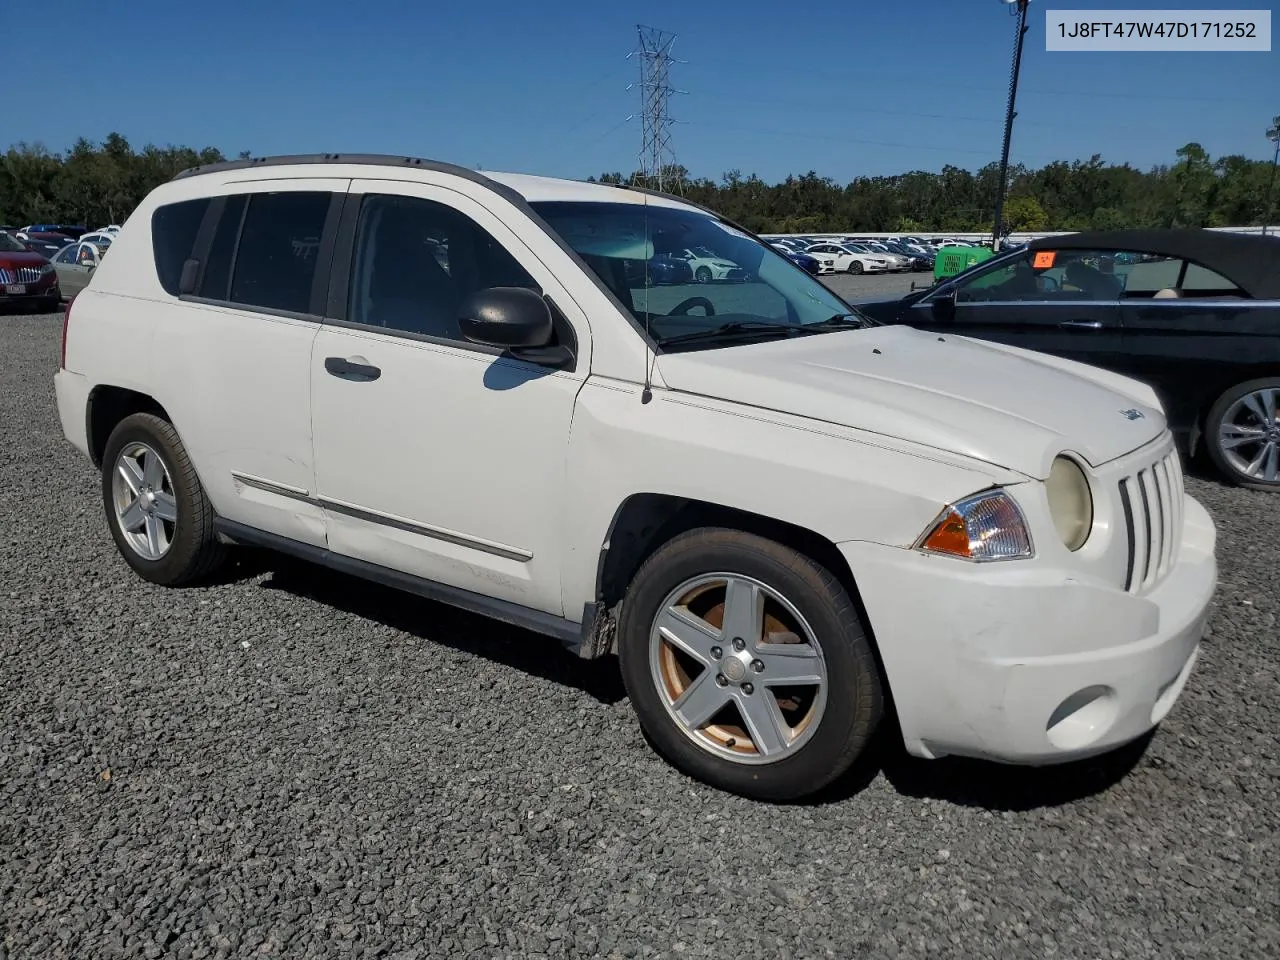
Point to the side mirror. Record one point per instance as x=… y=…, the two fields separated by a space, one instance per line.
x=507 y=317
x=944 y=306
x=517 y=319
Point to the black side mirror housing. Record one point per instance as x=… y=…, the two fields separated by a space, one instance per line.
x=517 y=319
x=944 y=306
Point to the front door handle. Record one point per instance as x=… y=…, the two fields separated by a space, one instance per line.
x=353 y=369
x=1082 y=324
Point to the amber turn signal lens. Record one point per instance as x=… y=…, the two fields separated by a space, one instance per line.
x=986 y=526
x=951 y=535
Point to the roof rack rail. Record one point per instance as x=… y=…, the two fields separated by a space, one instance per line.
x=373 y=159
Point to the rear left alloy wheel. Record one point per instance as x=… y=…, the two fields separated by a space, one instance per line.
x=157 y=511
x=747 y=665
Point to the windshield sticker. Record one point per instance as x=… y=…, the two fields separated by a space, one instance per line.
x=1044 y=259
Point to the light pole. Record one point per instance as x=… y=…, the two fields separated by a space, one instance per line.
x=1273 y=135
x=1003 y=185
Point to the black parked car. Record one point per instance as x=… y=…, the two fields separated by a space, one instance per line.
x=660 y=270
x=1194 y=313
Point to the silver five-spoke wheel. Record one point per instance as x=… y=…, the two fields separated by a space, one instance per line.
x=738 y=668
x=143 y=498
x=1249 y=435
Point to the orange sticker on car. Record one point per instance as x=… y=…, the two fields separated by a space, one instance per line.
x=1044 y=259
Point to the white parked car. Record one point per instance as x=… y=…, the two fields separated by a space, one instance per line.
x=847 y=259
x=708 y=265
x=778 y=514
x=897 y=262
x=100 y=239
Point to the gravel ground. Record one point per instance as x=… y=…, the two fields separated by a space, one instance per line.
x=880 y=286
x=292 y=763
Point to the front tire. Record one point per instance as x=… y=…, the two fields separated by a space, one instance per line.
x=747 y=665
x=855 y=267
x=1243 y=433
x=703 y=275
x=157 y=511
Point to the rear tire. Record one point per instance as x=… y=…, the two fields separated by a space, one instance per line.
x=744 y=685
x=1242 y=431
x=157 y=511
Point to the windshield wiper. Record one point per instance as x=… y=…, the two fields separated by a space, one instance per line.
x=737 y=328
x=841 y=321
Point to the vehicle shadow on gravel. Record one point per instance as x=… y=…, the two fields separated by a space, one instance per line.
x=437 y=623
x=978 y=783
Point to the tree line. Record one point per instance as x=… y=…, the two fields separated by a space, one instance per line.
x=96 y=184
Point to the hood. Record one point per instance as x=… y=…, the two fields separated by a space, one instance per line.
x=1016 y=410
x=24 y=259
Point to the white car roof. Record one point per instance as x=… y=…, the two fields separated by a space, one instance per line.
x=531 y=187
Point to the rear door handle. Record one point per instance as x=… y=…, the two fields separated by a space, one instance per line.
x=1082 y=324
x=353 y=369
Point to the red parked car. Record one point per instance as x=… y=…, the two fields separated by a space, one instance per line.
x=26 y=279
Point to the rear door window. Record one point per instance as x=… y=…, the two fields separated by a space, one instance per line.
x=276 y=257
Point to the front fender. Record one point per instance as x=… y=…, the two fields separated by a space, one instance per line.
x=836 y=482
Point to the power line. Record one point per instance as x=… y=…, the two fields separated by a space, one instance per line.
x=657 y=156
x=1110 y=94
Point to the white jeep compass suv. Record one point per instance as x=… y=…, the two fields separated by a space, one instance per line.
x=774 y=511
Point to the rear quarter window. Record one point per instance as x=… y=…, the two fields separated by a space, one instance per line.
x=173 y=238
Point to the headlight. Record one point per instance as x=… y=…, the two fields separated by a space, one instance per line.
x=987 y=526
x=1070 y=502
x=46 y=269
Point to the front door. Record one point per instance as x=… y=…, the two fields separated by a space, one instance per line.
x=1065 y=303
x=435 y=456
x=75 y=266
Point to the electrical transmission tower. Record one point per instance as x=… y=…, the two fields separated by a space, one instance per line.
x=657 y=157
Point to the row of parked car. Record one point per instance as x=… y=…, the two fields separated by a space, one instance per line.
x=859 y=254
x=44 y=264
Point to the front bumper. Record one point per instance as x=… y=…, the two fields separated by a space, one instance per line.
x=24 y=288
x=1017 y=664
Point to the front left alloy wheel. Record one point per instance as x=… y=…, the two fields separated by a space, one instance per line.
x=747 y=665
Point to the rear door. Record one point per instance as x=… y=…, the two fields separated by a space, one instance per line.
x=1065 y=303
x=237 y=355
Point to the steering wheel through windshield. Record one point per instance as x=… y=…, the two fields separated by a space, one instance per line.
x=682 y=308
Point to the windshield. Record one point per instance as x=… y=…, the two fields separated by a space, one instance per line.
x=9 y=245
x=741 y=282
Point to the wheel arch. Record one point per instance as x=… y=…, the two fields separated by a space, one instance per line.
x=1214 y=392
x=106 y=407
x=645 y=521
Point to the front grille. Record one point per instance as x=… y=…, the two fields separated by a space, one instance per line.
x=1152 y=501
x=20 y=275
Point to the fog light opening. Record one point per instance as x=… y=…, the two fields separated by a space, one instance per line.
x=1083 y=718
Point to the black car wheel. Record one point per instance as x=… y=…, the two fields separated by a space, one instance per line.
x=855 y=266
x=1243 y=434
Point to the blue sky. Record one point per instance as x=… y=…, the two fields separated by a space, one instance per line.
x=844 y=88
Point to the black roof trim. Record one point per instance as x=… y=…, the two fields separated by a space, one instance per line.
x=367 y=159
